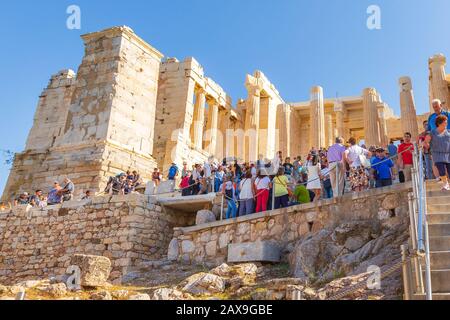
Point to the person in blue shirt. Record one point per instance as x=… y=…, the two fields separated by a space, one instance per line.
x=392 y=149
x=383 y=167
x=173 y=172
x=438 y=111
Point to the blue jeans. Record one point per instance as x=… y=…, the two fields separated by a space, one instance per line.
x=246 y=207
x=381 y=183
x=217 y=183
x=328 y=193
x=428 y=167
x=232 y=210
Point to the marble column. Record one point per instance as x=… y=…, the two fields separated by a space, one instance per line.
x=317 y=120
x=371 y=130
x=329 y=128
x=339 y=111
x=408 y=108
x=213 y=119
x=199 y=118
x=252 y=124
x=439 y=85
x=284 y=129
x=384 y=138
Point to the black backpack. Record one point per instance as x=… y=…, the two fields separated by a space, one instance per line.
x=401 y=177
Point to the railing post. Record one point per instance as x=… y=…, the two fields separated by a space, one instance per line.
x=428 y=264
x=423 y=244
x=413 y=227
x=221 y=207
x=337 y=182
x=406 y=274
x=273 y=196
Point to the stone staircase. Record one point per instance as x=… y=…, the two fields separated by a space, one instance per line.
x=438 y=204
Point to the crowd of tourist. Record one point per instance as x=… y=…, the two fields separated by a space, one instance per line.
x=278 y=183
x=123 y=183
x=57 y=194
x=325 y=173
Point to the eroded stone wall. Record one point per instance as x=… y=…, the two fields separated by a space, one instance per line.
x=97 y=125
x=127 y=229
x=209 y=243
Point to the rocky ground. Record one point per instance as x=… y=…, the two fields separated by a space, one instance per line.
x=318 y=267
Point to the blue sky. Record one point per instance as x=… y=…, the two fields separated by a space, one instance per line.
x=296 y=43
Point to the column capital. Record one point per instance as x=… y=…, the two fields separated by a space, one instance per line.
x=437 y=59
x=405 y=84
x=370 y=92
x=316 y=93
x=200 y=90
x=213 y=103
x=317 y=89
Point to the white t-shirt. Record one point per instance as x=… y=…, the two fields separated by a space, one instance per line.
x=353 y=155
x=195 y=175
x=207 y=169
x=246 y=189
x=262 y=183
x=253 y=171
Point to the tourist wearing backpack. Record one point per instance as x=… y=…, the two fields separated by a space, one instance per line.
x=173 y=172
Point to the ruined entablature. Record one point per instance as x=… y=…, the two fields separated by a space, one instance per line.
x=260 y=82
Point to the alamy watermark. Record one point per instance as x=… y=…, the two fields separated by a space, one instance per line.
x=374 y=281
x=374 y=19
x=74 y=20
x=74 y=281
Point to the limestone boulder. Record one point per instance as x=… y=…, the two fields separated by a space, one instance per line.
x=120 y=294
x=140 y=296
x=391 y=202
x=205 y=216
x=235 y=283
x=167 y=294
x=3 y=290
x=101 y=295
x=243 y=270
x=247 y=269
x=204 y=283
x=313 y=255
x=31 y=283
x=95 y=270
x=354 y=235
x=57 y=290
x=224 y=270
x=173 y=251
x=16 y=289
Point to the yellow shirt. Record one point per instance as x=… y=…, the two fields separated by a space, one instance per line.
x=280 y=184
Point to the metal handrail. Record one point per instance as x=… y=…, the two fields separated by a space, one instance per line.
x=421 y=236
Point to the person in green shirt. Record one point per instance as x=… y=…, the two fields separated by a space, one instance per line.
x=280 y=184
x=302 y=194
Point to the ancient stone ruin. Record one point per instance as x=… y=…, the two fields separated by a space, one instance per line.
x=129 y=108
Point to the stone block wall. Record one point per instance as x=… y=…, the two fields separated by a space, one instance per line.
x=50 y=117
x=127 y=229
x=208 y=243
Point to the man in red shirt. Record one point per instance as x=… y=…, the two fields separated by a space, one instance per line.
x=405 y=156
